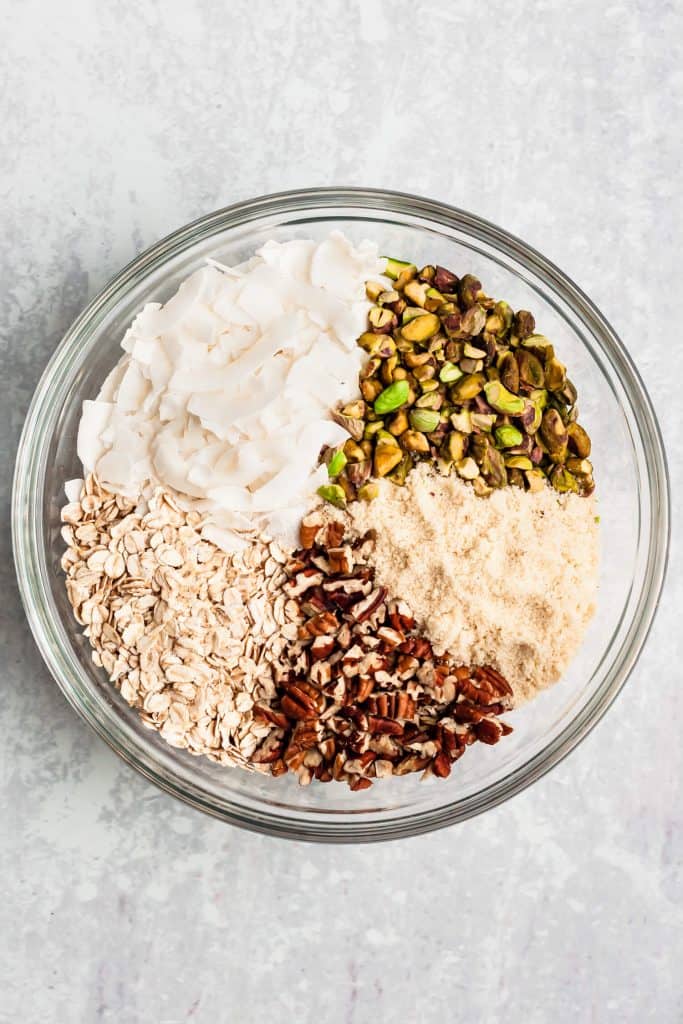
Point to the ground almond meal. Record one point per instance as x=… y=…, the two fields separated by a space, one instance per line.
x=508 y=580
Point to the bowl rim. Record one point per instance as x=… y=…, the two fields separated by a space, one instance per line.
x=27 y=554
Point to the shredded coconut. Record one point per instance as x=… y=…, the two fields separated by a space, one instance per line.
x=509 y=580
x=223 y=395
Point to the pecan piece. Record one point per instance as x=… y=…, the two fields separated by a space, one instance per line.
x=322 y=647
x=384 y=725
x=363 y=609
x=335 y=534
x=441 y=766
x=488 y=730
x=319 y=625
x=308 y=531
x=340 y=559
x=271 y=715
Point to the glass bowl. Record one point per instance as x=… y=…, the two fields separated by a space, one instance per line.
x=630 y=469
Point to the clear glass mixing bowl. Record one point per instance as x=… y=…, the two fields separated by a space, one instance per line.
x=630 y=469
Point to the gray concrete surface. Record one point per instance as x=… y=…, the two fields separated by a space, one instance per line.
x=120 y=121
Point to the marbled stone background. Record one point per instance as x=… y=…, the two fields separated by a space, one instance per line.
x=560 y=121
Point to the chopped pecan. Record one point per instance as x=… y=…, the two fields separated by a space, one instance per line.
x=319 y=625
x=441 y=766
x=366 y=697
x=335 y=534
x=308 y=531
x=322 y=647
x=340 y=559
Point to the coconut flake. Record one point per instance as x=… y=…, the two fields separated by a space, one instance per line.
x=224 y=393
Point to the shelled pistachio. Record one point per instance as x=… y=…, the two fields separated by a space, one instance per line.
x=461 y=379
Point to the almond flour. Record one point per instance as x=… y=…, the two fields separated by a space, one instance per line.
x=509 y=580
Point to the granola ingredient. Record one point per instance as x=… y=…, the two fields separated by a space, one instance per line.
x=508 y=582
x=189 y=634
x=448 y=365
x=223 y=394
x=367 y=697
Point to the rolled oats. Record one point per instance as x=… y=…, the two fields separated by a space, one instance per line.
x=190 y=635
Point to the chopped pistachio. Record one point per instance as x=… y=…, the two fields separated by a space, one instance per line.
x=455 y=446
x=531 y=375
x=554 y=435
x=449 y=373
x=416 y=292
x=368 y=492
x=518 y=462
x=507 y=436
x=468 y=290
x=334 y=494
x=358 y=472
x=535 y=479
x=398 y=423
x=578 y=440
x=467 y=387
x=411 y=313
x=336 y=463
x=393 y=396
x=370 y=389
x=373 y=290
x=483 y=420
x=355 y=427
x=421 y=328
x=382 y=319
x=524 y=324
x=386 y=457
x=425 y=420
x=414 y=441
x=467 y=468
x=473 y=320
x=356 y=410
x=462 y=421
x=555 y=375
x=562 y=480
x=502 y=400
x=399 y=474
x=396 y=267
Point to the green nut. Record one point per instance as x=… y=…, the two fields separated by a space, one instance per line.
x=579 y=441
x=449 y=373
x=424 y=420
x=395 y=268
x=467 y=387
x=509 y=372
x=455 y=446
x=421 y=328
x=410 y=313
x=563 y=481
x=387 y=457
x=414 y=441
x=393 y=397
x=554 y=435
x=368 y=492
x=555 y=375
x=540 y=346
x=399 y=474
x=334 y=494
x=502 y=400
x=518 y=462
x=531 y=375
x=462 y=421
x=508 y=437
x=336 y=463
